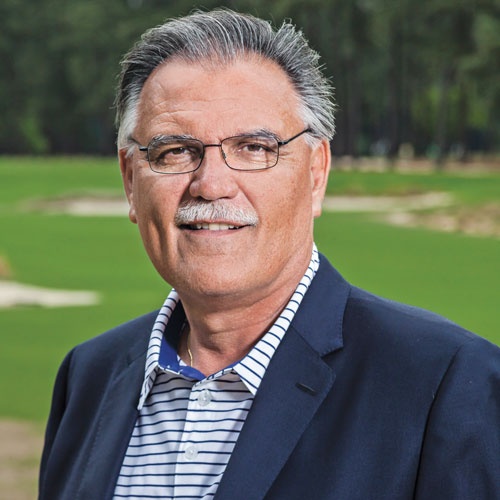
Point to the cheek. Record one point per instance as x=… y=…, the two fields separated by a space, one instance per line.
x=294 y=198
x=156 y=202
x=158 y=195
x=287 y=213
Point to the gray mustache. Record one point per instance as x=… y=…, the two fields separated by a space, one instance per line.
x=214 y=211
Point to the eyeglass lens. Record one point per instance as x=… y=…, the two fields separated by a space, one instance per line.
x=169 y=155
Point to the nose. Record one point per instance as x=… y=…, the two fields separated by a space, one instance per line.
x=214 y=179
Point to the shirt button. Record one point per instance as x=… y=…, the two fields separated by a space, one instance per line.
x=204 y=398
x=191 y=453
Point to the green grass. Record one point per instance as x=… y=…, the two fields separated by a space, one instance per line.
x=451 y=274
x=466 y=188
x=39 y=177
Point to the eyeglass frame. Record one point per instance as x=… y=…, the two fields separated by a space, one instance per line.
x=203 y=146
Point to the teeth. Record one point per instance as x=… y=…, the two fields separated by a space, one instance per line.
x=218 y=227
x=213 y=226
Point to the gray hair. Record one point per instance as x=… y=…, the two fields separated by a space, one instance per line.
x=223 y=35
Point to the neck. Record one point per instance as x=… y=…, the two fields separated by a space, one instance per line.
x=222 y=330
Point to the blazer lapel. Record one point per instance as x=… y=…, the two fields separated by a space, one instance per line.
x=116 y=423
x=294 y=386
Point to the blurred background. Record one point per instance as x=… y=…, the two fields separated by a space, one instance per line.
x=415 y=75
x=412 y=209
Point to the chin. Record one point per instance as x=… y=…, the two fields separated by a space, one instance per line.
x=219 y=286
x=207 y=281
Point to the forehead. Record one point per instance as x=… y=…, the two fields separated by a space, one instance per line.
x=218 y=100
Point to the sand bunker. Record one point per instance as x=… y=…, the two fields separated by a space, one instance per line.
x=386 y=203
x=19 y=457
x=95 y=205
x=18 y=294
x=482 y=220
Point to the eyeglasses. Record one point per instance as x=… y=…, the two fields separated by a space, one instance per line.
x=181 y=155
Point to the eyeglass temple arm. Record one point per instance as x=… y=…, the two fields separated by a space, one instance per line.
x=284 y=143
x=139 y=146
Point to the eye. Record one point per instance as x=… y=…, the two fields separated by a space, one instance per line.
x=180 y=150
x=255 y=145
x=175 y=153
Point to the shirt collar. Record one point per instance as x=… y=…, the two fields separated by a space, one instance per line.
x=162 y=349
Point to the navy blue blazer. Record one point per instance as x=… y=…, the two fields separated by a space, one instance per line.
x=365 y=398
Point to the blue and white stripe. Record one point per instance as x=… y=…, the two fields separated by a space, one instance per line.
x=188 y=424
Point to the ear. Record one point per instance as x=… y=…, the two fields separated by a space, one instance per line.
x=127 y=170
x=320 y=168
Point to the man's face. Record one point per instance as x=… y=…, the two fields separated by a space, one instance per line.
x=210 y=104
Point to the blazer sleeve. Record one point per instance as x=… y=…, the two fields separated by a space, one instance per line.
x=55 y=417
x=460 y=457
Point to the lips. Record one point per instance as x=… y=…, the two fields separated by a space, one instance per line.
x=211 y=226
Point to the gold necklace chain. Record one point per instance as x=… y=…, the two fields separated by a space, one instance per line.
x=190 y=354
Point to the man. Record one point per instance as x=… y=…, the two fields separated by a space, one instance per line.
x=265 y=374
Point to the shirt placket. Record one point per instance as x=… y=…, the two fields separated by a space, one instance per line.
x=191 y=447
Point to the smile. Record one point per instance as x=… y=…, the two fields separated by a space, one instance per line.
x=210 y=226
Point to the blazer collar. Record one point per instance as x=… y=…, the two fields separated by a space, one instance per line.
x=323 y=309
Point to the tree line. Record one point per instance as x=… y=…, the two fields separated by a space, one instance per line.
x=419 y=76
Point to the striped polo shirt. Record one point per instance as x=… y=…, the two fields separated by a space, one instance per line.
x=188 y=424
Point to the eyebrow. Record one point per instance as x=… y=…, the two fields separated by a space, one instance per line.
x=159 y=139
x=264 y=131
x=162 y=138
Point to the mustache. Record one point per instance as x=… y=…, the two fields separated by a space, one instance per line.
x=214 y=211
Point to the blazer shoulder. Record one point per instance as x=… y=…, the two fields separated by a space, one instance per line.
x=422 y=333
x=346 y=316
